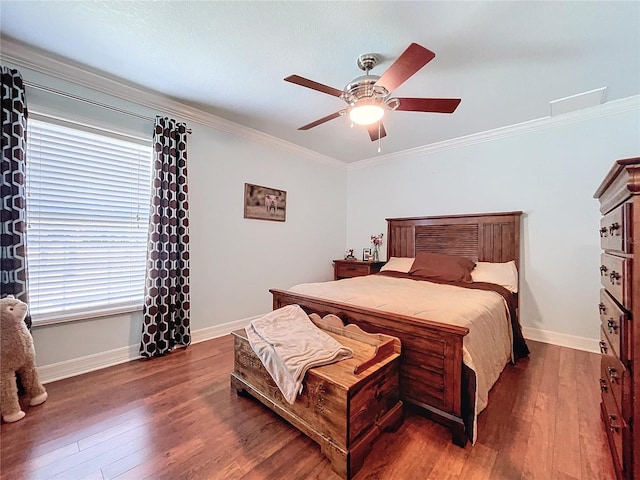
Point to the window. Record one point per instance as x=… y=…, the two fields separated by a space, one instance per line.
x=87 y=214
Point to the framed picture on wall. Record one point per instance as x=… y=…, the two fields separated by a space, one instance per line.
x=264 y=203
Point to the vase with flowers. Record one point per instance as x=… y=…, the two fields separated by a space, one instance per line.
x=376 y=241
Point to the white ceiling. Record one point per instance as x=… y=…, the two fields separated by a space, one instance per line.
x=506 y=60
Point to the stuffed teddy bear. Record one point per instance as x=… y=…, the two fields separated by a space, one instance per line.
x=17 y=355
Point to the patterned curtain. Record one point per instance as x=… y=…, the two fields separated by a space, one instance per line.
x=13 y=233
x=166 y=306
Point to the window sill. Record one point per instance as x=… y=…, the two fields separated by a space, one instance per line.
x=57 y=318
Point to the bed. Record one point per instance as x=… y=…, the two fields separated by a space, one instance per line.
x=434 y=374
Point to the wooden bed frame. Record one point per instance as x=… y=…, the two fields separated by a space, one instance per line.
x=431 y=372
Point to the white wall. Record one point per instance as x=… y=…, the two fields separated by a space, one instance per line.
x=549 y=170
x=234 y=261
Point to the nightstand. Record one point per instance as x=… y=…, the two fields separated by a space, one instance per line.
x=354 y=268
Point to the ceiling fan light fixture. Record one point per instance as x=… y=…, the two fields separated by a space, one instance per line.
x=366 y=113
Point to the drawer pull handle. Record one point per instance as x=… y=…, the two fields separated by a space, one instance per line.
x=603 y=347
x=612 y=427
x=603 y=385
x=613 y=227
x=613 y=374
x=614 y=276
x=603 y=308
x=613 y=327
x=603 y=269
x=603 y=232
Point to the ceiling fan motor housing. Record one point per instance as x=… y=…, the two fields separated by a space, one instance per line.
x=364 y=87
x=367 y=61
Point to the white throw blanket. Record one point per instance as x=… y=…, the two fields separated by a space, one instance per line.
x=288 y=343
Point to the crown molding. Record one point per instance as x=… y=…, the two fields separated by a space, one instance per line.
x=606 y=109
x=24 y=56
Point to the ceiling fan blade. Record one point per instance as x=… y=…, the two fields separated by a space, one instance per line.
x=305 y=82
x=373 y=131
x=436 y=105
x=412 y=59
x=320 y=121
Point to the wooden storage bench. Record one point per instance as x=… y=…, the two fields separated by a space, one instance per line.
x=343 y=406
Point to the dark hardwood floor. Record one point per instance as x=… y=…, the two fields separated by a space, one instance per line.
x=176 y=417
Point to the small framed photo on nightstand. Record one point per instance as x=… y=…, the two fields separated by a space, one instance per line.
x=366 y=254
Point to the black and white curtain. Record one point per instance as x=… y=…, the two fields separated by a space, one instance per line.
x=13 y=232
x=166 y=320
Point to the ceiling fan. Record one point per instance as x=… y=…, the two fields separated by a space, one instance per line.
x=369 y=96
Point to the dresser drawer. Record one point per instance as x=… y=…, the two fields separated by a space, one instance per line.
x=346 y=270
x=611 y=371
x=615 y=230
x=615 y=276
x=615 y=378
x=615 y=325
x=614 y=426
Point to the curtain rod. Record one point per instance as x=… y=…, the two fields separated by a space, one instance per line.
x=90 y=102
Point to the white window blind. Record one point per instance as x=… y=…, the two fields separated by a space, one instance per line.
x=87 y=216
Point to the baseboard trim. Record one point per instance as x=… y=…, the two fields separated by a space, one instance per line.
x=561 y=339
x=210 y=333
x=89 y=363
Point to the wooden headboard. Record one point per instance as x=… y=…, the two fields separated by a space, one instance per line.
x=484 y=237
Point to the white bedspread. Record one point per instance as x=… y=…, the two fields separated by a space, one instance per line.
x=289 y=344
x=486 y=349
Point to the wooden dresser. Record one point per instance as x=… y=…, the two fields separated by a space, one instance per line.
x=619 y=307
x=354 y=268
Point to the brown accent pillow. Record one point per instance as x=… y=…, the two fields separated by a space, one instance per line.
x=442 y=267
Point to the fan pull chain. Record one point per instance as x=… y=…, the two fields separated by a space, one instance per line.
x=379 y=144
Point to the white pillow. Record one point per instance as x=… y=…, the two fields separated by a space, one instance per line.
x=504 y=274
x=398 y=264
